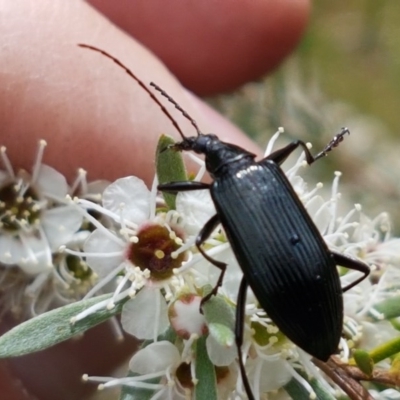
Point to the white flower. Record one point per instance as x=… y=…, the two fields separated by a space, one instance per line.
x=34 y=218
x=162 y=361
x=174 y=370
x=140 y=251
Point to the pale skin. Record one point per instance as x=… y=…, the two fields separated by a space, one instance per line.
x=95 y=117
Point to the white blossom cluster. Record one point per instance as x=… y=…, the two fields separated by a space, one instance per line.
x=36 y=218
x=138 y=249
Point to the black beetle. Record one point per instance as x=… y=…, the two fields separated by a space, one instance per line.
x=284 y=258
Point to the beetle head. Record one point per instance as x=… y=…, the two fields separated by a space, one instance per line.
x=217 y=154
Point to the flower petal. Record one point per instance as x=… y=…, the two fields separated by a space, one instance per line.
x=108 y=258
x=274 y=375
x=38 y=254
x=131 y=193
x=60 y=224
x=11 y=250
x=139 y=315
x=51 y=183
x=220 y=355
x=185 y=316
x=320 y=215
x=196 y=207
x=155 y=357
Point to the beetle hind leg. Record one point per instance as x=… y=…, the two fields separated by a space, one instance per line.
x=353 y=264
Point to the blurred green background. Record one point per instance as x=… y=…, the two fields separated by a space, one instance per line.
x=346 y=72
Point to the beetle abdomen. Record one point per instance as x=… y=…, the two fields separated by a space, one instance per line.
x=292 y=274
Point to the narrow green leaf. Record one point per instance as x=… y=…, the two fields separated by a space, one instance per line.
x=389 y=308
x=395 y=323
x=169 y=166
x=206 y=388
x=320 y=391
x=363 y=361
x=385 y=350
x=298 y=392
x=53 y=327
x=220 y=318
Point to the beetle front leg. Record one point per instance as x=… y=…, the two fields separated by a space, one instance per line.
x=205 y=233
x=279 y=156
x=353 y=264
x=182 y=186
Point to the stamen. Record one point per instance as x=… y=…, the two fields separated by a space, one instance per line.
x=64 y=249
x=370 y=300
x=272 y=141
x=104 y=281
x=37 y=284
x=185 y=247
x=98 y=306
x=99 y=225
x=116 y=329
x=159 y=254
x=186 y=352
x=95 y=207
x=345 y=350
x=6 y=162
x=38 y=161
x=121 y=284
x=312 y=192
x=157 y=315
x=153 y=197
x=301 y=380
x=257 y=378
x=81 y=181
x=198 y=257
x=334 y=199
x=195 y=381
x=300 y=163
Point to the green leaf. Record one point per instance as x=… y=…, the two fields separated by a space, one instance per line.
x=389 y=308
x=206 y=388
x=54 y=327
x=363 y=361
x=220 y=319
x=298 y=392
x=385 y=350
x=169 y=166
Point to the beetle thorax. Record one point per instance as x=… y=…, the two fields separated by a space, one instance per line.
x=217 y=154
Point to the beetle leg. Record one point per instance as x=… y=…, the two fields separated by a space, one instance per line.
x=205 y=232
x=183 y=186
x=279 y=156
x=239 y=329
x=354 y=264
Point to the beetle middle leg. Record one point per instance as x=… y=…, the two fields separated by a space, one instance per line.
x=205 y=232
x=239 y=331
x=279 y=156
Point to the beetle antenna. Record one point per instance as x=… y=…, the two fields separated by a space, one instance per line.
x=141 y=84
x=178 y=107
